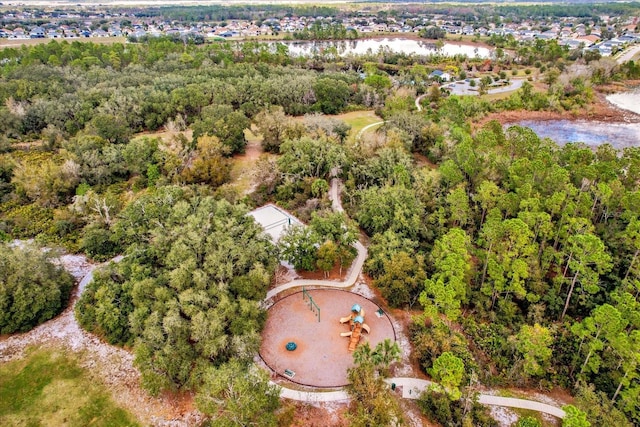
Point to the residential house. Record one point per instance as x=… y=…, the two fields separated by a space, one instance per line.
x=37 y=33
x=588 y=40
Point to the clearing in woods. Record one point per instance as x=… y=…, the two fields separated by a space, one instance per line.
x=49 y=388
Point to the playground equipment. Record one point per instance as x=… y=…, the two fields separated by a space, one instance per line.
x=356 y=310
x=356 y=324
x=312 y=304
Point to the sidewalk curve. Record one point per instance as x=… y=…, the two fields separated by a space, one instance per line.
x=487 y=399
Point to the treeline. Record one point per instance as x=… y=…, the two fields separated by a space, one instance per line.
x=326 y=31
x=33 y=288
x=245 y=12
x=187 y=298
x=520 y=255
x=575 y=9
x=70 y=110
x=144 y=86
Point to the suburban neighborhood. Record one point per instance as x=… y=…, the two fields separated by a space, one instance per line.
x=607 y=36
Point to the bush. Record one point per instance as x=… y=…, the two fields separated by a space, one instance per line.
x=528 y=422
x=32 y=289
x=98 y=243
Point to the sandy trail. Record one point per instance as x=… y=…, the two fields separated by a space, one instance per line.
x=113 y=366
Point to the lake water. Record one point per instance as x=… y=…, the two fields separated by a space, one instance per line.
x=620 y=135
x=399 y=45
x=627 y=100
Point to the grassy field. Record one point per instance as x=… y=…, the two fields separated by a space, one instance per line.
x=358 y=120
x=48 y=388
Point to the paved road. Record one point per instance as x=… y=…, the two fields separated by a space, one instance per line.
x=628 y=54
x=458 y=88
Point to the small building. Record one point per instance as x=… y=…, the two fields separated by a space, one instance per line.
x=440 y=75
x=274 y=220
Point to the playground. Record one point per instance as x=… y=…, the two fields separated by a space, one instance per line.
x=321 y=356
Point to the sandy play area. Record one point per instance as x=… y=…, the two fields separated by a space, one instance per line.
x=321 y=358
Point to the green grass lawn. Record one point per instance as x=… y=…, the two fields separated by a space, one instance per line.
x=49 y=388
x=358 y=120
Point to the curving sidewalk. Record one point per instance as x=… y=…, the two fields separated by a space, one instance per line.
x=354 y=270
x=627 y=54
x=418 y=100
x=350 y=280
x=487 y=399
x=412 y=388
x=366 y=128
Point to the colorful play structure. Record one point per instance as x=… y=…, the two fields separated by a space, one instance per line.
x=356 y=324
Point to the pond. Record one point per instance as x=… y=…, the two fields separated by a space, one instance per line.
x=592 y=133
x=399 y=45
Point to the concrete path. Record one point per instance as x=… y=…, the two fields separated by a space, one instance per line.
x=350 y=280
x=418 y=100
x=311 y=396
x=354 y=270
x=487 y=399
x=464 y=88
x=366 y=128
x=412 y=388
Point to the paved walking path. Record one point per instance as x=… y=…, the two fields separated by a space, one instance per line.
x=487 y=399
x=412 y=388
x=366 y=128
x=312 y=396
x=418 y=100
x=354 y=270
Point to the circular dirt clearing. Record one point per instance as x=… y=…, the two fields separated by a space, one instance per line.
x=321 y=358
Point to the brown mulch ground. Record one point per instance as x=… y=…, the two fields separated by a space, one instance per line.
x=322 y=357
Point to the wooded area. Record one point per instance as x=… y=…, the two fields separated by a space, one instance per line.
x=519 y=257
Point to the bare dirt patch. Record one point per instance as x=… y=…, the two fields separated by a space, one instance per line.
x=243 y=169
x=319 y=414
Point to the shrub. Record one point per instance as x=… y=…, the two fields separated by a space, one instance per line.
x=32 y=289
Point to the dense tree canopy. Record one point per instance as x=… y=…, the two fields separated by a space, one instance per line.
x=32 y=289
x=188 y=296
